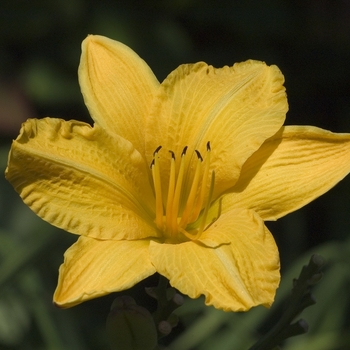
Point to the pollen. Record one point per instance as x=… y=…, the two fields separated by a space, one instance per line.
x=179 y=207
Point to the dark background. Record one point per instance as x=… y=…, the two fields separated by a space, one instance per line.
x=39 y=55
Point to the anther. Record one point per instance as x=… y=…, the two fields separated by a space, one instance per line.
x=156 y=151
x=157 y=188
x=199 y=155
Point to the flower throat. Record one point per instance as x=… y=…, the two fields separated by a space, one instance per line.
x=178 y=211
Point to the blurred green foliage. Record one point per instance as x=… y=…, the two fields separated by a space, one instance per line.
x=39 y=55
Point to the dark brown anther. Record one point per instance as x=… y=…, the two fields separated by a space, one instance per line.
x=172 y=154
x=199 y=155
x=157 y=150
x=184 y=151
x=208 y=146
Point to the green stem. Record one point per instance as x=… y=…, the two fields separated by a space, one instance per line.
x=160 y=291
x=299 y=300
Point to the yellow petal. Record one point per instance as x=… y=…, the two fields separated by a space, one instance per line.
x=117 y=86
x=94 y=268
x=291 y=169
x=235 y=108
x=234 y=276
x=82 y=179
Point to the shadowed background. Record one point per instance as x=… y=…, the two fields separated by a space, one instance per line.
x=39 y=55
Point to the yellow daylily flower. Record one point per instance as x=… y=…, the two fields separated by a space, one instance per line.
x=175 y=178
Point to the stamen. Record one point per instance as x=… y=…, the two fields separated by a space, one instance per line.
x=205 y=214
x=193 y=192
x=207 y=206
x=184 y=213
x=171 y=190
x=176 y=201
x=217 y=215
x=199 y=203
x=157 y=188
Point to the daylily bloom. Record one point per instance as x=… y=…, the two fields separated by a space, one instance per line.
x=175 y=178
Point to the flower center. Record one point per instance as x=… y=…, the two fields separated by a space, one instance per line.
x=181 y=212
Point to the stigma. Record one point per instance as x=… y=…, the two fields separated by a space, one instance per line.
x=181 y=211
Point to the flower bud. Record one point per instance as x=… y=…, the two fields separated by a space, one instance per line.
x=130 y=326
